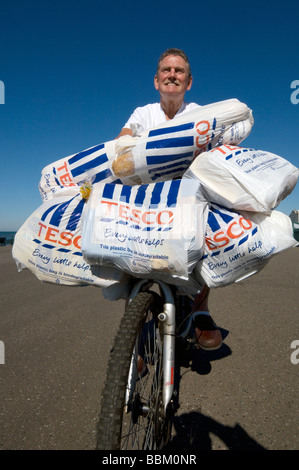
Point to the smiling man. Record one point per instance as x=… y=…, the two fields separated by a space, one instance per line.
x=173 y=78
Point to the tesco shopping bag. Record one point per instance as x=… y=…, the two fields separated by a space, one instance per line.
x=240 y=245
x=158 y=154
x=49 y=245
x=154 y=230
x=167 y=150
x=244 y=179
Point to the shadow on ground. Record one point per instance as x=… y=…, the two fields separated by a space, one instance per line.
x=193 y=434
x=193 y=430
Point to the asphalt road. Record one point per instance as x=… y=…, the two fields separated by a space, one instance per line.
x=57 y=339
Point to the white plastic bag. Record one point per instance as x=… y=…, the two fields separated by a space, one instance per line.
x=159 y=154
x=167 y=150
x=154 y=230
x=49 y=245
x=244 y=179
x=239 y=245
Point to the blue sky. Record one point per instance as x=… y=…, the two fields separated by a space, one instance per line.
x=74 y=70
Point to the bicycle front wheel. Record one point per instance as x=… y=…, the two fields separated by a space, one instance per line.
x=132 y=412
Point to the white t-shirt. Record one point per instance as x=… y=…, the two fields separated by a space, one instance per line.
x=151 y=115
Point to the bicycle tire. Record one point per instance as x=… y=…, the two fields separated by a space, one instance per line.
x=147 y=427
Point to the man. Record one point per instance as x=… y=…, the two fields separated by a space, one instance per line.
x=173 y=78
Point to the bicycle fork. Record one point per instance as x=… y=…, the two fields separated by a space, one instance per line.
x=167 y=317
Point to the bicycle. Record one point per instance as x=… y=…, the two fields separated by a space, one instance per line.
x=138 y=396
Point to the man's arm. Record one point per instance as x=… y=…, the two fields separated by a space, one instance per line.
x=125 y=131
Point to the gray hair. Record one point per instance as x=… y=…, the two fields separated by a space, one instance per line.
x=174 y=51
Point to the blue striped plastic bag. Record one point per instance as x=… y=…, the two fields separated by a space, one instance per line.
x=240 y=244
x=49 y=245
x=154 y=230
x=159 y=154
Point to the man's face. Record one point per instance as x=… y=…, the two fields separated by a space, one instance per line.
x=173 y=78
